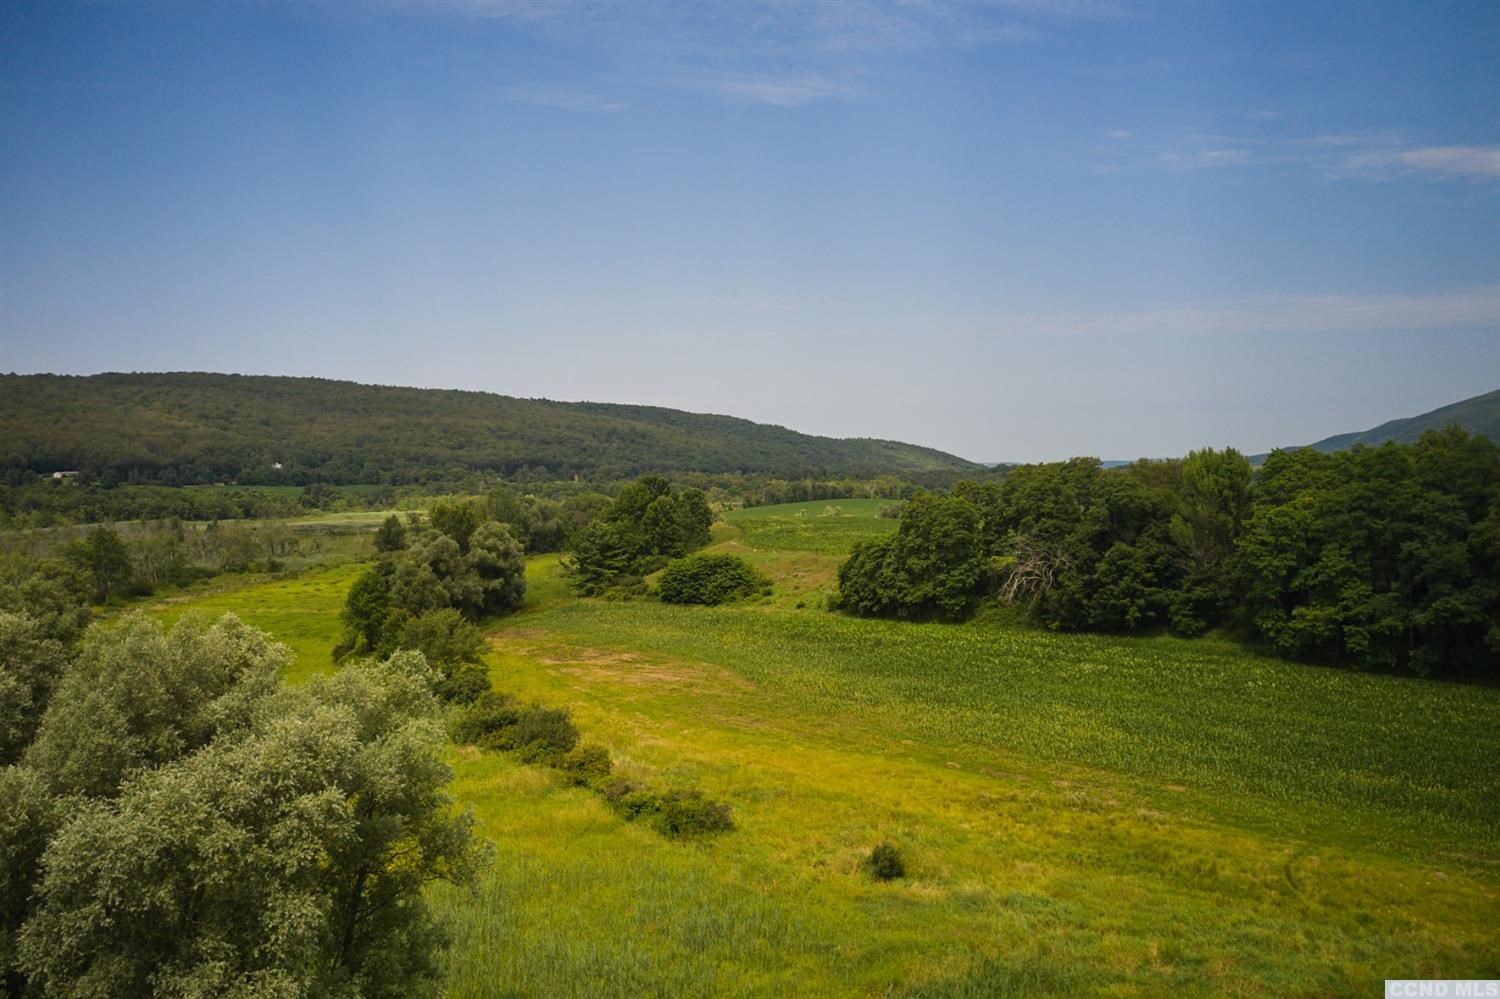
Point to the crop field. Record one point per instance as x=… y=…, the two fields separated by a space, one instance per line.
x=1196 y=713
x=1129 y=817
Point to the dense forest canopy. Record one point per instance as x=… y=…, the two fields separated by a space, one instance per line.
x=193 y=428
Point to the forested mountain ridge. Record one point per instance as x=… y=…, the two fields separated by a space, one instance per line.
x=191 y=427
x=1477 y=415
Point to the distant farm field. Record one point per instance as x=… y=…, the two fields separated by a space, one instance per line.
x=822 y=526
x=1080 y=815
x=821 y=509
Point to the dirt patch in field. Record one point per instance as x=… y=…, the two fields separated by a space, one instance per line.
x=641 y=674
x=593 y=657
x=603 y=665
x=613 y=667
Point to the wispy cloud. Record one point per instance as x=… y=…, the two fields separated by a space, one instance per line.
x=872 y=26
x=1342 y=140
x=1465 y=308
x=559 y=98
x=783 y=91
x=1205 y=159
x=1445 y=161
x=1369 y=155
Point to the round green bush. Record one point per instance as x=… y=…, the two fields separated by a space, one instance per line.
x=682 y=814
x=543 y=734
x=489 y=714
x=886 y=863
x=586 y=763
x=709 y=579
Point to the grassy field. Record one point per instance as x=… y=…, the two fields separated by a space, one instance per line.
x=302 y=611
x=1131 y=817
x=828 y=527
x=349 y=519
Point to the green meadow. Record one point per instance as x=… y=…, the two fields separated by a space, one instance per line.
x=1079 y=814
x=828 y=527
x=302 y=611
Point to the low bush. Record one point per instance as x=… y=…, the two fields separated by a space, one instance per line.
x=617 y=790
x=709 y=579
x=681 y=814
x=630 y=799
x=466 y=685
x=547 y=735
x=885 y=863
x=491 y=714
x=586 y=764
x=543 y=734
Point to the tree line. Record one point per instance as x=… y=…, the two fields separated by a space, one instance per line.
x=1384 y=558
x=29 y=500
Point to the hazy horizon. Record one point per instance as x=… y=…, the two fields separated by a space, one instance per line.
x=1012 y=231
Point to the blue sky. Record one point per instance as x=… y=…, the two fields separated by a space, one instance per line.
x=1015 y=230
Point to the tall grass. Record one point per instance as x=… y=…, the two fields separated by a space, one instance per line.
x=1420 y=756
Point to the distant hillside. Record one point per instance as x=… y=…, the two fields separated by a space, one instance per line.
x=1479 y=415
x=181 y=428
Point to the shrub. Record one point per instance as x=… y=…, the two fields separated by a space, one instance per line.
x=885 y=863
x=500 y=740
x=688 y=813
x=586 y=764
x=709 y=579
x=630 y=799
x=543 y=734
x=465 y=686
x=491 y=713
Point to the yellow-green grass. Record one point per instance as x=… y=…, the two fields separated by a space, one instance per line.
x=1414 y=758
x=830 y=527
x=1104 y=816
x=1082 y=848
x=803 y=579
x=822 y=509
x=302 y=611
x=348 y=518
